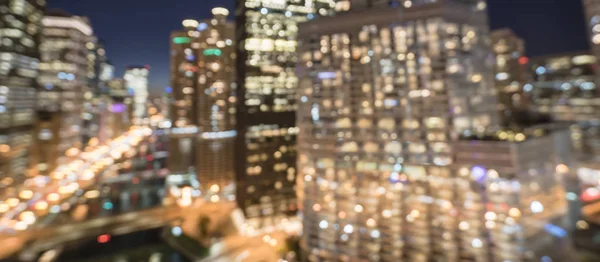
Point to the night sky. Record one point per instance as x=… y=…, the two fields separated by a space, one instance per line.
x=137 y=31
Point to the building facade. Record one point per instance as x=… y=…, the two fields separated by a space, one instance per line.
x=63 y=82
x=136 y=80
x=516 y=182
x=592 y=13
x=385 y=89
x=563 y=86
x=19 y=64
x=511 y=73
x=265 y=151
x=203 y=103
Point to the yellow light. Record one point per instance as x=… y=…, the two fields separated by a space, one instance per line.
x=26 y=194
x=58 y=175
x=42 y=205
x=371 y=222
x=189 y=23
x=92 y=194
x=53 y=197
x=220 y=11
x=503 y=135
x=562 y=169
x=4 y=148
x=214 y=188
x=582 y=225
x=27 y=217
x=20 y=226
x=520 y=137
x=4 y=208
x=214 y=198
x=12 y=202
x=514 y=212
x=94 y=142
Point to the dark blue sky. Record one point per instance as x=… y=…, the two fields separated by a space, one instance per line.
x=137 y=31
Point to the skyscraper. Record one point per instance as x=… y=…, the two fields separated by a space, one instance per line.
x=203 y=105
x=384 y=91
x=563 y=86
x=64 y=81
x=592 y=13
x=511 y=72
x=136 y=80
x=19 y=62
x=265 y=151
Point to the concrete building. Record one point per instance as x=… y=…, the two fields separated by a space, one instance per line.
x=64 y=82
x=19 y=64
x=203 y=104
x=385 y=89
x=265 y=151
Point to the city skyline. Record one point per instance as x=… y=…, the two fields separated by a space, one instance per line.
x=300 y=130
x=558 y=22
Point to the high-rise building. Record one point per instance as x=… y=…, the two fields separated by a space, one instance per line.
x=511 y=73
x=63 y=82
x=592 y=12
x=515 y=181
x=19 y=62
x=203 y=103
x=563 y=86
x=265 y=152
x=120 y=108
x=385 y=89
x=136 y=80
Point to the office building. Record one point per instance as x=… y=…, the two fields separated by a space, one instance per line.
x=563 y=86
x=203 y=103
x=385 y=89
x=63 y=83
x=511 y=73
x=19 y=62
x=136 y=80
x=265 y=151
x=515 y=181
x=120 y=108
x=592 y=14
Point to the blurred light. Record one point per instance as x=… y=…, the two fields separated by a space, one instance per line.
x=590 y=194
x=523 y=60
x=12 y=202
x=176 y=231
x=26 y=194
x=536 y=207
x=4 y=207
x=103 y=238
x=555 y=230
x=107 y=205
x=42 y=205
x=92 y=194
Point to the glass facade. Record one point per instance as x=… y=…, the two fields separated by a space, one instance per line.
x=20 y=31
x=203 y=103
x=136 y=81
x=563 y=86
x=510 y=73
x=266 y=145
x=382 y=99
x=63 y=83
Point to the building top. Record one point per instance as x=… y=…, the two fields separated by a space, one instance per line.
x=129 y=67
x=384 y=14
